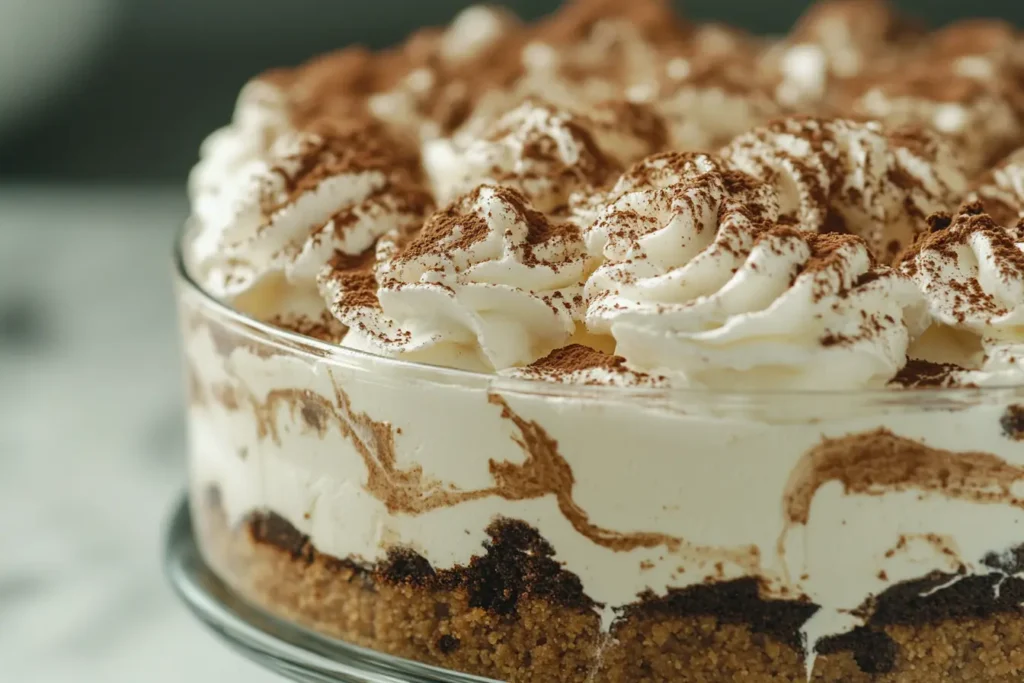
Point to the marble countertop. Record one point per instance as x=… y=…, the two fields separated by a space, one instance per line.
x=92 y=444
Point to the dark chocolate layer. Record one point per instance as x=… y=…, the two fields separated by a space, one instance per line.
x=517 y=562
x=731 y=602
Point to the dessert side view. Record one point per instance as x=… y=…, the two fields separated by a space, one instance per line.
x=620 y=347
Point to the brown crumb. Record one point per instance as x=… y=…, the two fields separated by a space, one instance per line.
x=723 y=632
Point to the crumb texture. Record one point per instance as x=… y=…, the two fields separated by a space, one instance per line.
x=513 y=614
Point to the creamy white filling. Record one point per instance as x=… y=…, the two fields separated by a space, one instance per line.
x=713 y=477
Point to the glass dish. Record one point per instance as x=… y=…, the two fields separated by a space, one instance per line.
x=533 y=531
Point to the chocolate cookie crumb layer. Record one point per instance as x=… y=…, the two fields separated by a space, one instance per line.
x=513 y=614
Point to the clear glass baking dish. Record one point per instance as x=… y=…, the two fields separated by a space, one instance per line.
x=532 y=531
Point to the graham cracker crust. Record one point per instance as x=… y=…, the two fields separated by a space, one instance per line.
x=513 y=614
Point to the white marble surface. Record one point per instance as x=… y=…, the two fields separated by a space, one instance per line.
x=91 y=443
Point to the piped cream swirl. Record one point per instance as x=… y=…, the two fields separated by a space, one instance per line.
x=972 y=275
x=237 y=150
x=488 y=283
x=547 y=152
x=845 y=176
x=977 y=117
x=333 y=188
x=1001 y=190
x=700 y=281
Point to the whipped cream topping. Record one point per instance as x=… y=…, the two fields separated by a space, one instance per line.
x=446 y=71
x=979 y=119
x=833 y=41
x=545 y=152
x=635 y=218
x=1001 y=190
x=698 y=280
x=801 y=74
x=604 y=48
x=1002 y=365
x=700 y=78
x=972 y=275
x=851 y=33
x=489 y=282
x=707 y=99
x=475 y=31
x=293 y=198
x=333 y=188
x=261 y=117
x=846 y=176
x=983 y=49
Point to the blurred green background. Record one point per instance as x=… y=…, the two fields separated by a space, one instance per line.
x=134 y=98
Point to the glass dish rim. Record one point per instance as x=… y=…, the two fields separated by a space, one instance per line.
x=326 y=351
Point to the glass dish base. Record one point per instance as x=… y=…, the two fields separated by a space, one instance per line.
x=287 y=649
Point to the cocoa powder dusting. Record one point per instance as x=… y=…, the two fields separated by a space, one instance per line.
x=827 y=255
x=540 y=230
x=956 y=233
x=345 y=146
x=939 y=221
x=833 y=183
x=826 y=249
x=998 y=193
x=543 y=156
x=736 y=76
x=449 y=229
x=641 y=121
x=339 y=84
x=919 y=374
x=325 y=327
x=356 y=280
x=576 y=357
x=335 y=84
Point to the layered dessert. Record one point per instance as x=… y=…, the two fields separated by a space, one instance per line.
x=619 y=347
